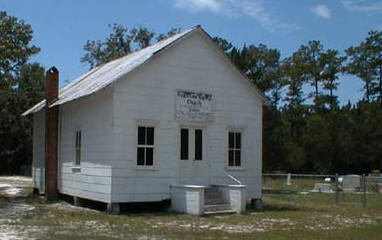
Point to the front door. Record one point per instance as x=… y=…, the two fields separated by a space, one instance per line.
x=193 y=162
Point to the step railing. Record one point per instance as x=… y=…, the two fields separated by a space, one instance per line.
x=232 y=178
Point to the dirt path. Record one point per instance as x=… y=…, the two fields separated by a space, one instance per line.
x=14 y=206
x=17 y=205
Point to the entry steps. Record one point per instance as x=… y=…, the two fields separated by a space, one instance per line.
x=214 y=202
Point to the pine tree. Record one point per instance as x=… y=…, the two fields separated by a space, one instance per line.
x=21 y=86
x=331 y=64
x=374 y=43
x=361 y=64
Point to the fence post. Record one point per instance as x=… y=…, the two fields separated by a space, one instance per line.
x=337 y=190
x=364 y=190
x=288 y=179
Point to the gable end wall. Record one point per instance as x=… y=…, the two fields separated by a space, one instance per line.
x=148 y=95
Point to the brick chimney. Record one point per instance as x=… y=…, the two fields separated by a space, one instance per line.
x=51 y=134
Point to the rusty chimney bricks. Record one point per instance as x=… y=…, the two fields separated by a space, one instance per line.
x=51 y=134
x=51 y=85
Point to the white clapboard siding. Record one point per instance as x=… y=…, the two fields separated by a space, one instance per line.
x=93 y=116
x=108 y=120
x=38 y=163
x=148 y=94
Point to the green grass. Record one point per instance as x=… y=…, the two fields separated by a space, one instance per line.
x=297 y=183
x=311 y=216
x=285 y=216
x=300 y=184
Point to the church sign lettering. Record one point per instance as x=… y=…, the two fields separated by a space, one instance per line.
x=193 y=106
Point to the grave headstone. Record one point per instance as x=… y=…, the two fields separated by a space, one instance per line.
x=379 y=188
x=288 y=180
x=322 y=188
x=351 y=183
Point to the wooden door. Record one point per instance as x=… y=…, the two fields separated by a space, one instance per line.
x=194 y=165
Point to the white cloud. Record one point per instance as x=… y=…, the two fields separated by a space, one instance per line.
x=322 y=11
x=257 y=10
x=254 y=9
x=361 y=6
x=198 y=5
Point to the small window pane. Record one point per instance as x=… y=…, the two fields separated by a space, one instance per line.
x=78 y=148
x=150 y=136
x=78 y=157
x=149 y=156
x=77 y=139
x=231 y=137
x=238 y=140
x=141 y=135
x=141 y=156
x=184 y=144
x=198 y=144
x=230 y=158
x=237 y=158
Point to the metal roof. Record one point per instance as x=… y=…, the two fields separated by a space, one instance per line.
x=102 y=76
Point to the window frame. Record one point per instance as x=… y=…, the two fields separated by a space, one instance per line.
x=145 y=123
x=192 y=142
x=187 y=146
x=145 y=146
x=234 y=149
x=202 y=144
x=77 y=147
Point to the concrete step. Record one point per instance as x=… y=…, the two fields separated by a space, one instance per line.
x=212 y=196
x=218 y=209
x=214 y=201
x=219 y=212
x=211 y=190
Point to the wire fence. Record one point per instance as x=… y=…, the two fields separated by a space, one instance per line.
x=335 y=189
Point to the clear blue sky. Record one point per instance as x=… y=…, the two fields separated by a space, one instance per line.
x=61 y=28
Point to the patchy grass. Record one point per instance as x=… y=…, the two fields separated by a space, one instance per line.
x=297 y=183
x=290 y=216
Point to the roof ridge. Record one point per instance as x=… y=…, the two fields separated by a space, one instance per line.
x=152 y=45
x=101 y=76
x=131 y=54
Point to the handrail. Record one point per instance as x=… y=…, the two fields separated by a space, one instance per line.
x=232 y=177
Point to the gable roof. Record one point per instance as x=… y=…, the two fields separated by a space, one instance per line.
x=102 y=76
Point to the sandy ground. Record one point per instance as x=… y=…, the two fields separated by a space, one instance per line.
x=17 y=206
x=12 y=189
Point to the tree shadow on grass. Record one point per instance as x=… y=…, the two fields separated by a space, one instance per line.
x=274 y=207
x=156 y=208
x=135 y=208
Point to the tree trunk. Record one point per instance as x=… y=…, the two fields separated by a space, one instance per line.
x=331 y=99
x=276 y=97
x=380 y=84
x=367 y=91
x=316 y=86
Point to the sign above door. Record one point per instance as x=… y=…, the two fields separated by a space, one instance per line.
x=193 y=106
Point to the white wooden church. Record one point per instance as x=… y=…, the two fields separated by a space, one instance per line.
x=176 y=120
